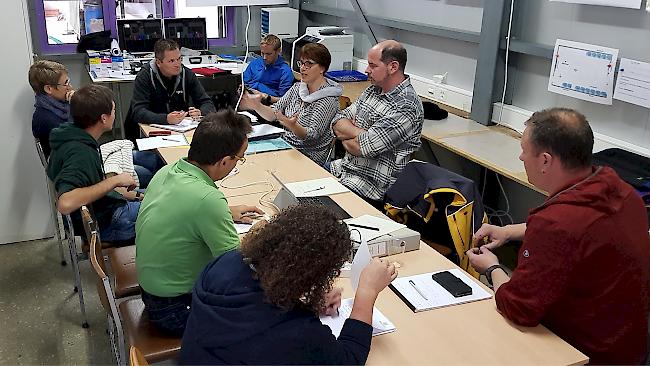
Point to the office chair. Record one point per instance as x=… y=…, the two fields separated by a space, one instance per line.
x=52 y=193
x=136 y=358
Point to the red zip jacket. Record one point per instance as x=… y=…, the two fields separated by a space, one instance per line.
x=584 y=270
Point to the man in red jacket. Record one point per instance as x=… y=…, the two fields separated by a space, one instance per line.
x=584 y=266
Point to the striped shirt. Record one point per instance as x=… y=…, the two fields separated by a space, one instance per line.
x=315 y=117
x=393 y=124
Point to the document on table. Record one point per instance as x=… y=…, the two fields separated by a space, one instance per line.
x=380 y=323
x=262 y=130
x=261 y=146
x=185 y=125
x=316 y=187
x=421 y=292
x=633 y=83
x=157 y=142
x=371 y=227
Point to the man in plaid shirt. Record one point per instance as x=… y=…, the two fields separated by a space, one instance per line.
x=381 y=129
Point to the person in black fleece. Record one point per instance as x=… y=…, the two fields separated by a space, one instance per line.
x=165 y=91
x=260 y=304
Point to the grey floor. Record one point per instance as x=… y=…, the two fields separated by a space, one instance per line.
x=40 y=320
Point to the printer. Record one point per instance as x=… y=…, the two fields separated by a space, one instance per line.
x=335 y=39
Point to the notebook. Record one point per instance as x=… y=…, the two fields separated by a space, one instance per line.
x=380 y=323
x=426 y=294
x=183 y=126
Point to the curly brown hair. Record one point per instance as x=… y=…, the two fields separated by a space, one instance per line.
x=297 y=256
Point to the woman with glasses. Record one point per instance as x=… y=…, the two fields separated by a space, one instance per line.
x=307 y=109
x=260 y=304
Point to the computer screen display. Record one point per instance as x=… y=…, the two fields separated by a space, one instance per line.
x=139 y=35
x=188 y=32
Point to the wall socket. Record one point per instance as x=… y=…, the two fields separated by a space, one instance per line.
x=451 y=96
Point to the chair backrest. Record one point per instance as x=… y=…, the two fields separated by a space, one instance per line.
x=136 y=358
x=97 y=260
x=41 y=153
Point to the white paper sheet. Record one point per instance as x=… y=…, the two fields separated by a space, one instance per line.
x=384 y=225
x=316 y=187
x=264 y=129
x=252 y=117
x=436 y=295
x=360 y=261
x=183 y=126
x=583 y=71
x=380 y=323
x=157 y=142
x=632 y=4
x=633 y=82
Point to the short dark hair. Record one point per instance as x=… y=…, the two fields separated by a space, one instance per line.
x=163 y=45
x=304 y=245
x=565 y=133
x=394 y=53
x=89 y=103
x=219 y=134
x=317 y=52
x=45 y=72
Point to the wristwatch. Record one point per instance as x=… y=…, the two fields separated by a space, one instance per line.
x=488 y=272
x=267 y=100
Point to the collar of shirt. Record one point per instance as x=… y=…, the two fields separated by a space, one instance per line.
x=194 y=170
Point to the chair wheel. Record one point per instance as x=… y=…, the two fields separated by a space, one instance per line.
x=64 y=263
x=75 y=289
x=85 y=325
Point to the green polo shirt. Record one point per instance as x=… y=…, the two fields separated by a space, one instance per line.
x=184 y=222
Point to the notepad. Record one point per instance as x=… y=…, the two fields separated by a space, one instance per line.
x=185 y=125
x=255 y=147
x=423 y=286
x=157 y=142
x=380 y=323
x=264 y=131
x=316 y=187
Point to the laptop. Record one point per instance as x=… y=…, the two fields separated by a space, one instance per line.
x=327 y=201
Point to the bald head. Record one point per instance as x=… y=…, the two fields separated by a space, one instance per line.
x=565 y=133
x=392 y=50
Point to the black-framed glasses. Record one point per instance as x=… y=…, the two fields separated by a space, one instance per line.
x=307 y=63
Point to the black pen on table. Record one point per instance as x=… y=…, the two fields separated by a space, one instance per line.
x=364 y=227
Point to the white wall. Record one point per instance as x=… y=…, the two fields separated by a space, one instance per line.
x=25 y=212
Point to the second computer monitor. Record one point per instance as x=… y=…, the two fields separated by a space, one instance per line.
x=188 y=32
x=139 y=35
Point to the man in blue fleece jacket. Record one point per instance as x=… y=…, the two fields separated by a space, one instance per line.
x=269 y=74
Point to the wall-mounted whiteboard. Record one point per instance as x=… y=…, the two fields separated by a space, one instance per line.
x=235 y=2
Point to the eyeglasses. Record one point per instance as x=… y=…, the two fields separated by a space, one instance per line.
x=67 y=83
x=240 y=159
x=307 y=63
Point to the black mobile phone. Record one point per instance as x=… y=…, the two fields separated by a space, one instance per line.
x=451 y=283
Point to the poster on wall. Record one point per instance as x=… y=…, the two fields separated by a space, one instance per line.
x=633 y=82
x=632 y=4
x=583 y=71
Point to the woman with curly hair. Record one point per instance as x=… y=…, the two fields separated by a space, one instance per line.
x=260 y=304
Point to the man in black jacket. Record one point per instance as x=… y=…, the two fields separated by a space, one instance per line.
x=165 y=91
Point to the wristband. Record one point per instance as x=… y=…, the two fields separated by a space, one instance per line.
x=488 y=272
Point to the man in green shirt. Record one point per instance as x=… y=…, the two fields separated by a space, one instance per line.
x=185 y=222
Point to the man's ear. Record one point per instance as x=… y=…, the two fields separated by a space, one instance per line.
x=548 y=159
x=47 y=89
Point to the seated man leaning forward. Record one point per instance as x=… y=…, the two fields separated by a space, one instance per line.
x=260 y=304
x=77 y=172
x=584 y=267
x=381 y=129
x=165 y=91
x=185 y=220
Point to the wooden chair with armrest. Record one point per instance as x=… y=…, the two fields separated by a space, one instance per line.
x=128 y=320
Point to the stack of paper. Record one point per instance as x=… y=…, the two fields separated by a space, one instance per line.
x=380 y=323
x=421 y=292
x=371 y=227
x=183 y=126
x=316 y=187
x=151 y=143
x=264 y=130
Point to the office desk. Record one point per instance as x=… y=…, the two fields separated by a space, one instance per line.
x=466 y=334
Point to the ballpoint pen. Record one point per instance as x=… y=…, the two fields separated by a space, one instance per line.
x=167 y=139
x=417 y=289
x=315 y=189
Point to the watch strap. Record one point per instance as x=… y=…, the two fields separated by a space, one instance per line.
x=488 y=272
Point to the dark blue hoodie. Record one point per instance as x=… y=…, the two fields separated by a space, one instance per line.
x=230 y=323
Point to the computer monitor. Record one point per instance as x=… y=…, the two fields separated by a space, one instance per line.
x=188 y=32
x=138 y=35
